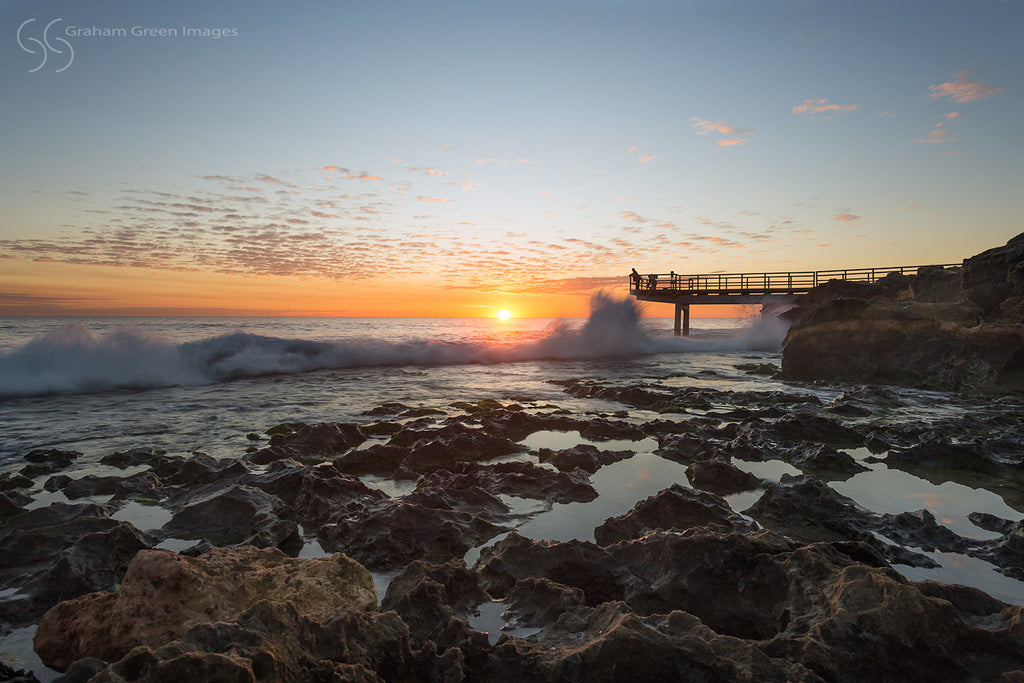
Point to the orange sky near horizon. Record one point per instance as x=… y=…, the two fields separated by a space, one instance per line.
x=89 y=290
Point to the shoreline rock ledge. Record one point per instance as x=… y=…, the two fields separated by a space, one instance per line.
x=951 y=329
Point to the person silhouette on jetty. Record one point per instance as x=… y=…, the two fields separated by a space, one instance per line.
x=634 y=279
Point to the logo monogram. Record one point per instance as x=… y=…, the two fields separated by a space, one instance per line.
x=44 y=46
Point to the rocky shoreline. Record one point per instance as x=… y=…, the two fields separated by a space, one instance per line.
x=799 y=584
x=949 y=329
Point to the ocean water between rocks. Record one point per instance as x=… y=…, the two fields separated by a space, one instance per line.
x=214 y=385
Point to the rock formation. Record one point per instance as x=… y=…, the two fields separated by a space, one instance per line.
x=943 y=328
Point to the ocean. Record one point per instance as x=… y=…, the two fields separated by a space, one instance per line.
x=183 y=384
x=214 y=385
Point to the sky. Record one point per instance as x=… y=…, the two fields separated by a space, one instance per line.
x=396 y=158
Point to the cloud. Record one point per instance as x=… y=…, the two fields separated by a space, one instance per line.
x=846 y=217
x=938 y=135
x=822 y=106
x=647 y=157
x=439 y=200
x=953 y=115
x=504 y=162
x=18 y=300
x=704 y=127
x=963 y=88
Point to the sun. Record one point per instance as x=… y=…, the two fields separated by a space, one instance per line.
x=504 y=314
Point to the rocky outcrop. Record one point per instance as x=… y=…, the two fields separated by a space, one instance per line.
x=424 y=526
x=274 y=642
x=60 y=552
x=239 y=514
x=677 y=507
x=164 y=594
x=925 y=330
x=520 y=479
x=582 y=456
x=994 y=281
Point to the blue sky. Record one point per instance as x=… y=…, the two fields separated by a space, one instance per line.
x=525 y=149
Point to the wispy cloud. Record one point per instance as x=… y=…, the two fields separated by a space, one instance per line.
x=503 y=162
x=705 y=127
x=938 y=135
x=846 y=217
x=823 y=108
x=645 y=158
x=963 y=88
x=438 y=200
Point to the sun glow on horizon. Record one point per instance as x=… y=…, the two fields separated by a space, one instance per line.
x=504 y=314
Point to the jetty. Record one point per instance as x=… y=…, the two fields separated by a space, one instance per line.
x=744 y=288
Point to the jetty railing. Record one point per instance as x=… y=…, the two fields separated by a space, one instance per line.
x=759 y=283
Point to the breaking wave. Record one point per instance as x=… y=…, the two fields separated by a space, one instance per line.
x=76 y=360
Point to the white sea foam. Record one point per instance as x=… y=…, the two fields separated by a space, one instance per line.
x=76 y=360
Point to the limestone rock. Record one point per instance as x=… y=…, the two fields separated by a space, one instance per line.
x=923 y=332
x=521 y=479
x=718 y=476
x=583 y=456
x=677 y=507
x=232 y=516
x=397 y=532
x=164 y=594
x=274 y=642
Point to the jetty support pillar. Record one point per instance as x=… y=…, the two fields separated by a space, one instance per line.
x=682 y=320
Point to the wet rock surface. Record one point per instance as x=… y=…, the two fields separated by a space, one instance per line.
x=799 y=585
x=62 y=551
x=677 y=507
x=520 y=479
x=584 y=457
x=720 y=477
x=397 y=532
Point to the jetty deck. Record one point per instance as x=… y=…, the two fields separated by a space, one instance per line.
x=744 y=288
